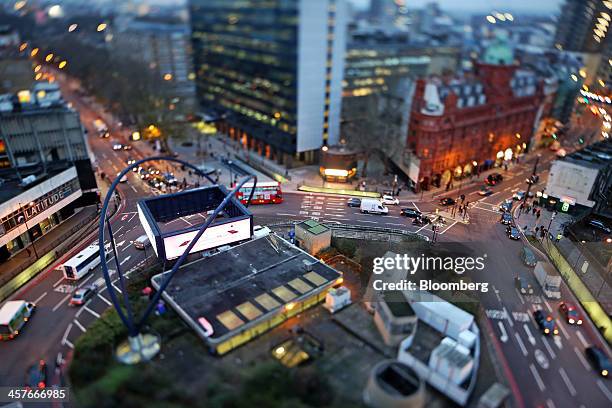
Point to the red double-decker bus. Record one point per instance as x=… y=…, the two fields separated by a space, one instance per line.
x=266 y=192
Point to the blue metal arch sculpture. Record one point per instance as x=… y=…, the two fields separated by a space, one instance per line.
x=128 y=321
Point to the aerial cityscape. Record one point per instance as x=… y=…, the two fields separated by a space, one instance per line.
x=305 y=203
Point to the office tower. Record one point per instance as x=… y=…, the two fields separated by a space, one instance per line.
x=273 y=71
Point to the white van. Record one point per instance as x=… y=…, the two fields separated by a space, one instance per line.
x=141 y=242
x=373 y=206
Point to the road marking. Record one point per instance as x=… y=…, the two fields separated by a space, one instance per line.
x=558 y=343
x=104 y=299
x=550 y=403
x=415 y=206
x=127 y=247
x=95 y=314
x=133 y=188
x=537 y=377
x=68 y=343
x=449 y=227
x=61 y=302
x=290 y=214
x=529 y=335
x=585 y=364
x=38 y=299
x=521 y=344
x=581 y=338
x=79 y=325
x=394 y=223
x=372 y=222
x=519 y=296
x=564 y=331
x=604 y=389
x=316 y=213
x=127 y=258
x=567 y=382
x=540 y=357
x=520 y=316
x=65 y=337
x=496 y=293
x=502 y=328
x=508 y=317
x=548 y=348
x=548 y=306
x=116 y=288
x=58 y=282
x=85 y=280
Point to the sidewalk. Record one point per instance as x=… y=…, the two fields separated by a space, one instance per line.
x=19 y=269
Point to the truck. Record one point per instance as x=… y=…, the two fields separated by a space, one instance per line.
x=549 y=279
x=373 y=206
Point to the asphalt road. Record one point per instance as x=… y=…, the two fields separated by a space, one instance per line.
x=548 y=372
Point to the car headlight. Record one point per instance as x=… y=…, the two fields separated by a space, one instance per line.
x=546 y=331
x=555 y=331
x=579 y=321
x=604 y=373
x=571 y=321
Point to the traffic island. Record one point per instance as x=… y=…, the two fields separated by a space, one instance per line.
x=339 y=191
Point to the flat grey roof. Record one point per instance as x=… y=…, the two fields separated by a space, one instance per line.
x=246 y=283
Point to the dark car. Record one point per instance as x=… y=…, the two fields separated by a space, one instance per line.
x=528 y=257
x=82 y=295
x=545 y=323
x=506 y=218
x=493 y=179
x=599 y=225
x=353 y=202
x=485 y=192
x=570 y=313
x=599 y=360
x=446 y=201
x=36 y=376
x=513 y=233
x=410 y=212
x=420 y=221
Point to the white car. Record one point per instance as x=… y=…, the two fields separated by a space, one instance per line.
x=389 y=200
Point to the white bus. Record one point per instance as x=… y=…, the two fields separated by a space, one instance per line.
x=13 y=315
x=83 y=262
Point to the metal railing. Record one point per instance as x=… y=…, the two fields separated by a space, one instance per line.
x=360 y=228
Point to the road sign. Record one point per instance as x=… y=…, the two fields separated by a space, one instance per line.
x=565 y=207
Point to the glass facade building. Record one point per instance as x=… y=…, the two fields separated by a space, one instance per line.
x=273 y=70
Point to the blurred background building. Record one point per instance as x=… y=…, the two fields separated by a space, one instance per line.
x=275 y=75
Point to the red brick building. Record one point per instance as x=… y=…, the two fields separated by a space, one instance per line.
x=460 y=126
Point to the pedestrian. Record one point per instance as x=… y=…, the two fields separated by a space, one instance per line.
x=538 y=214
x=28 y=251
x=534 y=210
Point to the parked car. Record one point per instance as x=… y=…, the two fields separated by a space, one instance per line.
x=599 y=360
x=485 y=192
x=353 y=202
x=571 y=314
x=36 y=376
x=410 y=212
x=513 y=233
x=446 y=201
x=545 y=323
x=82 y=295
x=597 y=224
x=523 y=286
x=389 y=200
x=493 y=179
x=506 y=219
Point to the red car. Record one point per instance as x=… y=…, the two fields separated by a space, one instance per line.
x=570 y=313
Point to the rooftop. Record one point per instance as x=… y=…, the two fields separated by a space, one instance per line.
x=246 y=284
x=12 y=188
x=313 y=227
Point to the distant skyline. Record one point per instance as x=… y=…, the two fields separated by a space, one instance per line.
x=484 y=6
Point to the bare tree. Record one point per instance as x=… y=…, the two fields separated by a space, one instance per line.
x=372 y=126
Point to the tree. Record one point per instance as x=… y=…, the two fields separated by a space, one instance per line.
x=373 y=126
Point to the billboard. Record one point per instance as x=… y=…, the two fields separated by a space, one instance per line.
x=214 y=236
x=571 y=182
